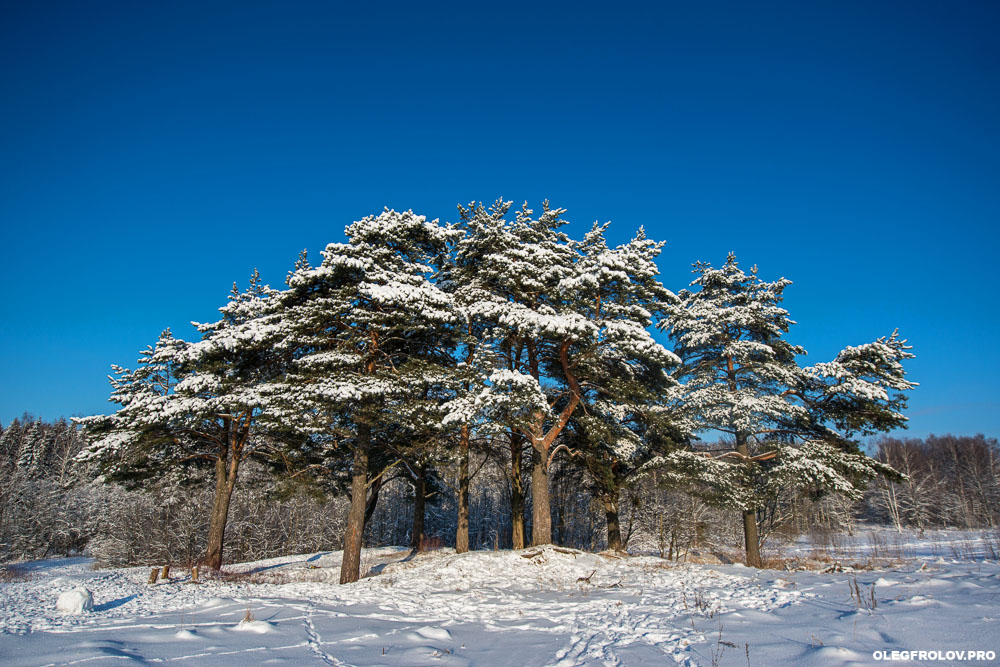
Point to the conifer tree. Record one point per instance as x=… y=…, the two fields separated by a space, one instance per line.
x=512 y=270
x=10 y=441
x=741 y=378
x=33 y=448
x=471 y=277
x=559 y=322
x=194 y=402
x=624 y=378
x=368 y=330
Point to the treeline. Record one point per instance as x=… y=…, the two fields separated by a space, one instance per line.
x=951 y=481
x=425 y=354
x=45 y=500
x=53 y=505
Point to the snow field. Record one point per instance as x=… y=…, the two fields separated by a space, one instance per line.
x=547 y=606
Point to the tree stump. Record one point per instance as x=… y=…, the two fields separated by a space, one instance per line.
x=165 y=574
x=154 y=575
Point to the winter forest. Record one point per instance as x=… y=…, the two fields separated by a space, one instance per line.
x=489 y=383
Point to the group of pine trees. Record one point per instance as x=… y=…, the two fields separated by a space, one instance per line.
x=415 y=344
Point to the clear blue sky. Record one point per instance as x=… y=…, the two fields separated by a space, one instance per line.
x=153 y=153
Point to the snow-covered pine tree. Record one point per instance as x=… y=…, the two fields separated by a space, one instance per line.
x=624 y=376
x=370 y=332
x=470 y=277
x=10 y=441
x=120 y=443
x=531 y=389
x=742 y=378
x=34 y=447
x=544 y=312
x=194 y=402
x=860 y=392
x=221 y=379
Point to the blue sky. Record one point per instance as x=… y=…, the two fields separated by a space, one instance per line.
x=151 y=154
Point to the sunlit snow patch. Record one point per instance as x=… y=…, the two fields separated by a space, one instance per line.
x=427 y=632
x=75 y=601
x=258 y=627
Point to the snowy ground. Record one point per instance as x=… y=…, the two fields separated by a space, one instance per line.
x=534 y=607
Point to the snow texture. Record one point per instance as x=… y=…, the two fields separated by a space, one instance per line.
x=542 y=606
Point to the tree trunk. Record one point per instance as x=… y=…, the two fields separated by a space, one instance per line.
x=516 y=495
x=462 y=533
x=350 y=569
x=225 y=481
x=751 y=537
x=614 y=527
x=541 y=509
x=372 y=502
x=542 y=442
x=419 y=490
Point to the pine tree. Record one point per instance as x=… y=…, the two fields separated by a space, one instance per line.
x=471 y=279
x=10 y=441
x=369 y=330
x=194 y=402
x=222 y=375
x=34 y=448
x=742 y=378
x=127 y=446
x=513 y=270
x=554 y=322
x=624 y=377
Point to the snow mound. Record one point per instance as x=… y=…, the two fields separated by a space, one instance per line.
x=75 y=601
x=257 y=627
x=839 y=654
x=435 y=634
x=545 y=567
x=215 y=602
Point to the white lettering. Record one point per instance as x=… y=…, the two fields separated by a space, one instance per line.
x=933 y=655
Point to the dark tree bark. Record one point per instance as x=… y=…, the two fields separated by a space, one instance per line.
x=350 y=569
x=419 y=493
x=614 y=525
x=462 y=533
x=751 y=536
x=372 y=502
x=516 y=494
